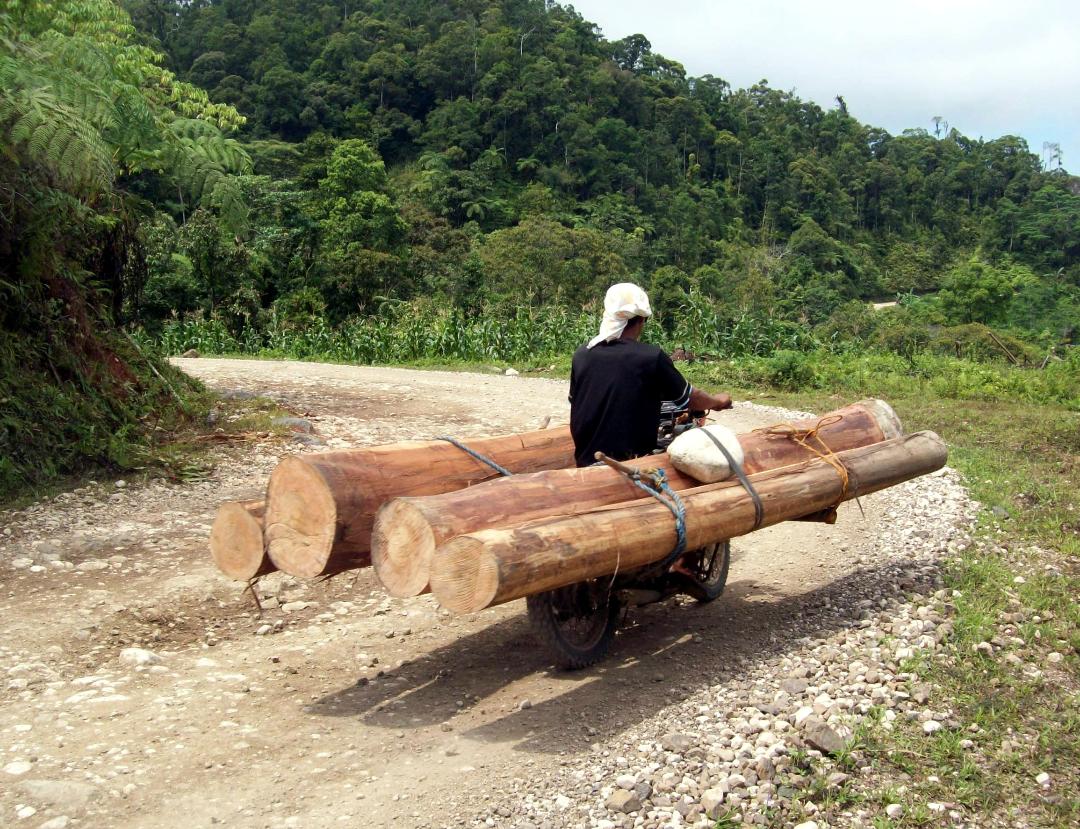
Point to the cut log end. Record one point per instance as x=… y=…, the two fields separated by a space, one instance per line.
x=886 y=418
x=402 y=546
x=464 y=575
x=236 y=540
x=301 y=519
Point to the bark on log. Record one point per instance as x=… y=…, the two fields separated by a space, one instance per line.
x=407 y=530
x=493 y=566
x=236 y=540
x=320 y=507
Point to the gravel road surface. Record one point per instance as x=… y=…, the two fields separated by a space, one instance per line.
x=142 y=689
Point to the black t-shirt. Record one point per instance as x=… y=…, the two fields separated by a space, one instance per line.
x=616 y=389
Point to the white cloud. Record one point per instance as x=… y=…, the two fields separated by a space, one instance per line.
x=990 y=68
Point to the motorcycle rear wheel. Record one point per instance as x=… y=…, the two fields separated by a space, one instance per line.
x=709 y=569
x=576 y=623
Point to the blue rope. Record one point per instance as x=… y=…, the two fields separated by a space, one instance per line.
x=482 y=458
x=659 y=489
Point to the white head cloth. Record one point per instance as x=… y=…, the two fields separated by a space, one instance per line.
x=622 y=303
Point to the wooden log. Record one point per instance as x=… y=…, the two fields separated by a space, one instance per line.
x=236 y=540
x=321 y=507
x=407 y=530
x=493 y=566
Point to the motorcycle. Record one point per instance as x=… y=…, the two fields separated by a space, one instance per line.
x=577 y=623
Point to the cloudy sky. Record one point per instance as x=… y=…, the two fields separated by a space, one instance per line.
x=989 y=68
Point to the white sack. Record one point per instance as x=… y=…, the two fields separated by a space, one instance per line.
x=693 y=454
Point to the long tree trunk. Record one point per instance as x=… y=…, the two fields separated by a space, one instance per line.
x=236 y=540
x=493 y=566
x=320 y=507
x=407 y=530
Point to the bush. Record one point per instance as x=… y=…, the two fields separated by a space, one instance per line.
x=791 y=370
x=977 y=342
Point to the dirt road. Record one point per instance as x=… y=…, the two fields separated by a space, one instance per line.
x=360 y=710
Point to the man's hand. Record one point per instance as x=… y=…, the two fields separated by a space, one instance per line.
x=703 y=400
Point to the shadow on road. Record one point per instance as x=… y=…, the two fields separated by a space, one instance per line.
x=663 y=653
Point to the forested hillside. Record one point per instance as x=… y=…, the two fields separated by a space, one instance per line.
x=529 y=160
x=380 y=182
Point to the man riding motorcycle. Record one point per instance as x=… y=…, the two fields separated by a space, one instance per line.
x=617 y=388
x=618 y=383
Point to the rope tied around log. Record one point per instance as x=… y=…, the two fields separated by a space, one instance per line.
x=654 y=482
x=502 y=470
x=803 y=437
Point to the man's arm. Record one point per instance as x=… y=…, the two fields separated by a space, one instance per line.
x=701 y=400
x=674 y=387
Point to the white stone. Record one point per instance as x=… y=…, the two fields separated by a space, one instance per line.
x=626 y=781
x=562 y=802
x=138 y=657
x=931 y=727
x=1054 y=657
x=810 y=824
x=802 y=714
x=60 y=822
x=511 y=372
x=711 y=800
x=1043 y=779
x=21 y=563
x=894 y=810
x=18 y=767
x=23 y=812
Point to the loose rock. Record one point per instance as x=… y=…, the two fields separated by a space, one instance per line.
x=624 y=801
x=821 y=736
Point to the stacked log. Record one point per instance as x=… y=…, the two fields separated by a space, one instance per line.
x=493 y=566
x=320 y=507
x=408 y=530
x=236 y=540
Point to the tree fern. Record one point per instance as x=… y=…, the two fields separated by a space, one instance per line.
x=83 y=105
x=52 y=136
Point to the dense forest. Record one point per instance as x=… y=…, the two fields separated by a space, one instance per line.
x=242 y=175
x=505 y=152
